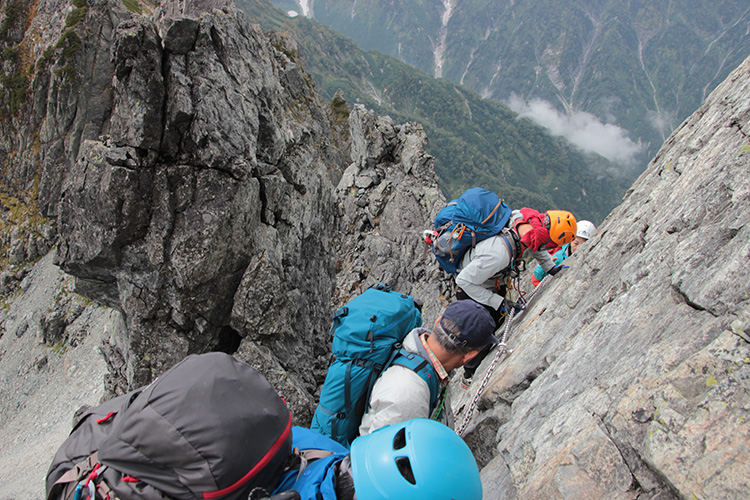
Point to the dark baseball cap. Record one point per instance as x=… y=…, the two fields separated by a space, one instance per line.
x=468 y=323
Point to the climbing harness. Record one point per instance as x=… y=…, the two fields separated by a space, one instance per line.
x=502 y=348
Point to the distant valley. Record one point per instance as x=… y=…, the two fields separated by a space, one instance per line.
x=614 y=77
x=475 y=141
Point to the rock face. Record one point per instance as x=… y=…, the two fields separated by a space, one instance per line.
x=630 y=374
x=191 y=170
x=386 y=197
x=190 y=166
x=202 y=214
x=200 y=199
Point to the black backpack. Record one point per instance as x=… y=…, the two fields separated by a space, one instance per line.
x=211 y=427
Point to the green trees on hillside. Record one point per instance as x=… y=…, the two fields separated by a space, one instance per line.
x=476 y=142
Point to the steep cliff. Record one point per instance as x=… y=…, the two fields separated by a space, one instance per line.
x=202 y=201
x=190 y=169
x=630 y=373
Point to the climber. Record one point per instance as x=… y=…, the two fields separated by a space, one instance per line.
x=485 y=267
x=189 y=435
x=584 y=233
x=419 y=458
x=400 y=394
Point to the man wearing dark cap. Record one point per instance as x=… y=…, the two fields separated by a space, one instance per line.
x=400 y=394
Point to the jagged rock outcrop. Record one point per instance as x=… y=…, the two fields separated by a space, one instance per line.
x=198 y=205
x=191 y=171
x=198 y=200
x=386 y=197
x=202 y=213
x=630 y=373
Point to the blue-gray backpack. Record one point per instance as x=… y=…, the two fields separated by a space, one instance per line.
x=475 y=216
x=210 y=427
x=367 y=336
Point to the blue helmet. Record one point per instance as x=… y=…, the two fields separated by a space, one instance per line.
x=416 y=459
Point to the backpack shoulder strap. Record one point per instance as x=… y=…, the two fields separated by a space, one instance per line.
x=75 y=478
x=314 y=454
x=300 y=459
x=64 y=487
x=420 y=364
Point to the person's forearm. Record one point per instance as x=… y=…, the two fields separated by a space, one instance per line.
x=544 y=259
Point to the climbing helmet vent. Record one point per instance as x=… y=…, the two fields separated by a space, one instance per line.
x=399 y=440
x=403 y=463
x=404 y=467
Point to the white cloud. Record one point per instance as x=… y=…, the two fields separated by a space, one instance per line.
x=583 y=129
x=661 y=122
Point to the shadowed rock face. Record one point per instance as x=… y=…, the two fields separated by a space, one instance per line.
x=205 y=213
x=629 y=376
x=199 y=200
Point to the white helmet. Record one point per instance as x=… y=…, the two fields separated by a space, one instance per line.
x=585 y=229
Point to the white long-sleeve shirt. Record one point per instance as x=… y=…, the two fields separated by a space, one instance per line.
x=399 y=394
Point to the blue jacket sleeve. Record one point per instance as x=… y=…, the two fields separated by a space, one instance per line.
x=318 y=480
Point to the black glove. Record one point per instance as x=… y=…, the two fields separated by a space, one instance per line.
x=509 y=305
x=555 y=270
x=261 y=494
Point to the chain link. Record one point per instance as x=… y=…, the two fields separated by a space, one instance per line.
x=502 y=349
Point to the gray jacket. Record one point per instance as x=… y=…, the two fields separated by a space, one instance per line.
x=485 y=264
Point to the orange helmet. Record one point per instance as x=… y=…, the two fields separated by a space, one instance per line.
x=562 y=226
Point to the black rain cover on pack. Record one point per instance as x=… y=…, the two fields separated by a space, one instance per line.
x=210 y=427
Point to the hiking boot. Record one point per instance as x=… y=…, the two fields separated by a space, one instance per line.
x=466 y=382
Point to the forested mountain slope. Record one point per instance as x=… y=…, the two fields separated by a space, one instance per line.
x=475 y=141
x=642 y=66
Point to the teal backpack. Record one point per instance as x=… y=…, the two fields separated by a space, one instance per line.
x=367 y=336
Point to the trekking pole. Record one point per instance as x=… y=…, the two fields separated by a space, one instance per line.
x=503 y=348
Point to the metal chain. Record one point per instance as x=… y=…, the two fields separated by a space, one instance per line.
x=502 y=349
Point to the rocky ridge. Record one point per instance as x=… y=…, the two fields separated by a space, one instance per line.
x=214 y=211
x=195 y=201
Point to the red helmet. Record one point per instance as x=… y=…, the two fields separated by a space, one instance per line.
x=562 y=226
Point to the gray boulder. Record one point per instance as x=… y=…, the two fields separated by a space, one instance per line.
x=202 y=214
